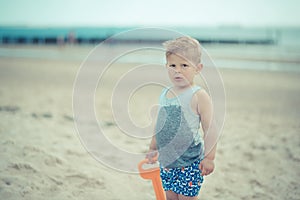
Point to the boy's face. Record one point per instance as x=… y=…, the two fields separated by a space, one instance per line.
x=181 y=71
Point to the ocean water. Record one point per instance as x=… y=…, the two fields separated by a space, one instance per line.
x=229 y=47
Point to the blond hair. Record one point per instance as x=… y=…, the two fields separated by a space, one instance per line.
x=186 y=47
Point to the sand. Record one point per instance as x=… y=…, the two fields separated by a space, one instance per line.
x=42 y=156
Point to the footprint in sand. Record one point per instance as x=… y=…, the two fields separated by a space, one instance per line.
x=49 y=159
x=8 y=142
x=292 y=155
x=53 y=161
x=83 y=180
x=32 y=149
x=249 y=156
x=46 y=115
x=68 y=118
x=75 y=153
x=8 y=181
x=10 y=109
x=23 y=167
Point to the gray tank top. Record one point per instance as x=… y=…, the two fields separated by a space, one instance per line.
x=178 y=136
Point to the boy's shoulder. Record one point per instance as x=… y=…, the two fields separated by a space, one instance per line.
x=200 y=93
x=200 y=99
x=201 y=96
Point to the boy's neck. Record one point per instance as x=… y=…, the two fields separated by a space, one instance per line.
x=179 y=90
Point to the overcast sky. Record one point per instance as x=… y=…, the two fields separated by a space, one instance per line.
x=150 y=12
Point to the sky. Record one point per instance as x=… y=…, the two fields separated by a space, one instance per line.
x=266 y=13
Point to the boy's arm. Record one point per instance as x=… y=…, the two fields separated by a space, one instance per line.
x=152 y=152
x=153 y=144
x=205 y=110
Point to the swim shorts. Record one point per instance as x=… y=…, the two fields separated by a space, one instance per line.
x=186 y=181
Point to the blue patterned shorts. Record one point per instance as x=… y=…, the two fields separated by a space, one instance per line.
x=186 y=181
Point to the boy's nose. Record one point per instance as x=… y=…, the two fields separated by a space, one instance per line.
x=177 y=69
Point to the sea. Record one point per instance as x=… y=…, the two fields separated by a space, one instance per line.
x=252 y=48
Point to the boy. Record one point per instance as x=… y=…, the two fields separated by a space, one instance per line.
x=185 y=155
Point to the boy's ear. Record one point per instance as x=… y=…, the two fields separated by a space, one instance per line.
x=199 y=67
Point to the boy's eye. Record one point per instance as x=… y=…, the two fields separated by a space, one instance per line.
x=172 y=65
x=184 y=65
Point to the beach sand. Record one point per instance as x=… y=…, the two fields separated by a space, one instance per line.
x=42 y=156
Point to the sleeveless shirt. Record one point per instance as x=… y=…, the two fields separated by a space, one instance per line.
x=177 y=131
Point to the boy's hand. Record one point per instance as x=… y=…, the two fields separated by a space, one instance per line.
x=207 y=166
x=152 y=156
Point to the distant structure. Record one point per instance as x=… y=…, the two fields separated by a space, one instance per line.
x=63 y=36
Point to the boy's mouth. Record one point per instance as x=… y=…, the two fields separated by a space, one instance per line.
x=178 y=78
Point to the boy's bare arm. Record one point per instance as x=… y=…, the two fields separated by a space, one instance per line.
x=152 y=152
x=153 y=144
x=205 y=110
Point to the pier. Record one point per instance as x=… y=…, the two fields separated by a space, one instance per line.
x=62 y=36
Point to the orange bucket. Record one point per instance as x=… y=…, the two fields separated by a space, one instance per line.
x=153 y=174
